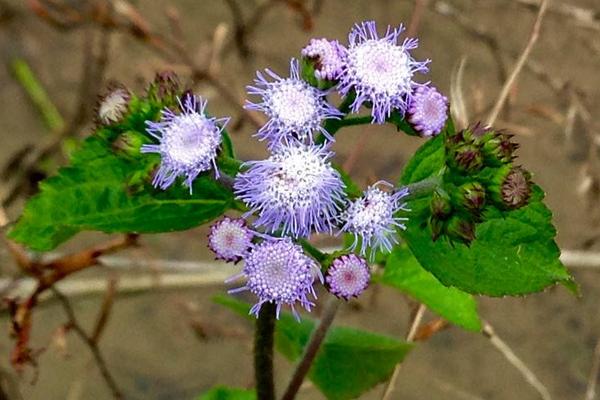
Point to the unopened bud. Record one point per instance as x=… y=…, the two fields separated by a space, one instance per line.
x=129 y=143
x=440 y=205
x=466 y=158
x=461 y=229
x=512 y=187
x=499 y=149
x=165 y=87
x=472 y=196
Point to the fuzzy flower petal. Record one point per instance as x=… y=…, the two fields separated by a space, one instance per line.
x=295 y=190
x=328 y=56
x=188 y=142
x=428 y=111
x=230 y=239
x=379 y=70
x=348 y=276
x=278 y=271
x=295 y=109
x=372 y=221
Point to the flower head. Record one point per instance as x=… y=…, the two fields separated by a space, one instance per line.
x=230 y=239
x=295 y=109
x=380 y=70
x=295 y=190
x=348 y=276
x=371 y=219
x=114 y=104
x=328 y=56
x=188 y=142
x=428 y=110
x=278 y=272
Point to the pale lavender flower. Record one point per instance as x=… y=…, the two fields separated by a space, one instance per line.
x=348 y=276
x=372 y=221
x=379 y=70
x=295 y=108
x=328 y=56
x=113 y=104
x=295 y=190
x=188 y=142
x=278 y=271
x=230 y=239
x=428 y=111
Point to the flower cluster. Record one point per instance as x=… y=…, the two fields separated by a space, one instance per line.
x=296 y=191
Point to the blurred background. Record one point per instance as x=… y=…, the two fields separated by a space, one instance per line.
x=164 y=338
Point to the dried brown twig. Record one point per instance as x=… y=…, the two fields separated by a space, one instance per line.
x=535 y=33
x=91 y=341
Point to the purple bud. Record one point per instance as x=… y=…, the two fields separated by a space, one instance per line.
x=230 y=239
x=428 y=111
x=348 y=276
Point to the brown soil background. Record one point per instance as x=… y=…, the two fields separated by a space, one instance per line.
x=151 y=344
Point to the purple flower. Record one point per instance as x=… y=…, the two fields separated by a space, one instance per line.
x=328 y=56
x=295 y=190
x=428 y=111
x=380 y=70
x=188 y=142
x=295 y=109
x=348 y=276
x=278 y=272
x=371 y=219
x=230 y=239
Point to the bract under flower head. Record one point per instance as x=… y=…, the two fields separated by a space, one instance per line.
x=278 y=272
x=328 y=56
x=295 y=190
x=295 y=109
x=230 y=239
x=379 y=70
x=372 y=219
x=188 y=142
x=428 y=111
x=348 y=276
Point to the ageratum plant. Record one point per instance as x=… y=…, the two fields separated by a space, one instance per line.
x=462 y=219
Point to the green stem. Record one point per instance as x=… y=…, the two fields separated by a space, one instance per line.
x=312 y=250
x=38 y=95
x=263 y=352
x=423 y=188
x=334 y=125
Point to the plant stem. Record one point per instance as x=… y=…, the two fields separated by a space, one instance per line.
x=263 y=352
x=334 y=125
x=423 y=188
x=311 y=349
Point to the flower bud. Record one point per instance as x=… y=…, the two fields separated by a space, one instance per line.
x=466 y=158
x=440 y=205
x=437 y=227
x=129 y=143
x=165 y=88
x=511 y=187
x=113 y=104
x=499 y=149
x=461 y=229
x=472 y=197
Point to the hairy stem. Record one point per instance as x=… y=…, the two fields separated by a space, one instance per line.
x=311 y=349
x=263 y=352
x=423 y=188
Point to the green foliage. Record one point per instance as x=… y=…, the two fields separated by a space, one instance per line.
x=402 y=271
x=107 y=188
x=227 y=393
x=514 y=251
x=349 y=362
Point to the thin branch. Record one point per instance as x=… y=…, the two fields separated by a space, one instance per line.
x=515 y=361
x=415 y=18
x=105 y=309
x=590 y=393
x=535 y=32
x=310 y=352
x=412 y=331
x=91 y=343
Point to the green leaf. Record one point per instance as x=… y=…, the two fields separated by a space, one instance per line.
x=514 y=252
x=402 y=271
x=349 y=362
x=227 y=393
x=109 y=191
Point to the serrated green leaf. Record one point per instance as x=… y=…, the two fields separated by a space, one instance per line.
x=106 y=191
x=402 y=271
x=514 y=252
x=227 y=393
x=349 y=362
